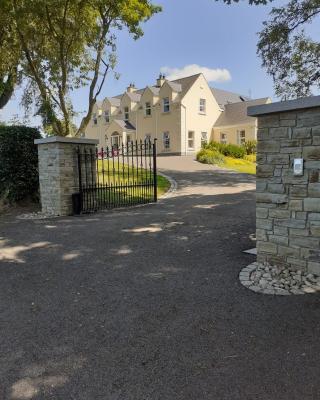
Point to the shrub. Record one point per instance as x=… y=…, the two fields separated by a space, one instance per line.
x=250 y=147
x=207 y=156
x=18 y=163
x=251 y=157
x=228 y=150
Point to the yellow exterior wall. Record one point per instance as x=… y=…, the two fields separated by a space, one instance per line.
x=192 y=119
x=184 y=116
x=232 y=133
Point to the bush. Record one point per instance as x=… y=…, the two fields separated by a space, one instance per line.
x=251 y=157
x=228 y=150
x=250 y=147
x=207 y=156
x=19 y=178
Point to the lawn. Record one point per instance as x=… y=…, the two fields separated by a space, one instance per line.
x=112 y=173
x=120 y=185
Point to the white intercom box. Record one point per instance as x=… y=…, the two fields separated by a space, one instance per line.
x=298 y=167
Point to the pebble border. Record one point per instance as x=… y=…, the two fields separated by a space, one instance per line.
x=244 y=278
x=41 y=216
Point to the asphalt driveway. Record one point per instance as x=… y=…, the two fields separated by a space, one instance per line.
x=145 y=304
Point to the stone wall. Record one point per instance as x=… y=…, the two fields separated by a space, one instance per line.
x=58 y=172
x=288 y=206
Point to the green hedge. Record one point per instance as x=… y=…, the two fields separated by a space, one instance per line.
x=19 y=178
x=228 y=150
x=207 y=156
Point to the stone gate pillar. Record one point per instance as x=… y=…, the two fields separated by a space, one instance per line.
x=58 y=172
x=288 y=203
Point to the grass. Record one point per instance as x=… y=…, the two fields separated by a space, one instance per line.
x=246 y=165
x=125 y=174
x=240 y=165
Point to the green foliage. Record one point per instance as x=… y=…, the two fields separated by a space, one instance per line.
x=10 y=50
x=229 y=150
x=65 y=45
x=289 y=55
x=18 y=163
x=210 y=156
x=251 y=2
x=250 y=146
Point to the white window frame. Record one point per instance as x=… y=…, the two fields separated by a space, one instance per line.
x=166 y=104
x=223 y=138
x=126 y=113
x=166 y=140
x=241 y=136
x=115 y=138
x=148 y=109
x=202 y=106
x=191 y=140
x=107 y=116
x=147 y=137
x=129 y=139
x=204 y=138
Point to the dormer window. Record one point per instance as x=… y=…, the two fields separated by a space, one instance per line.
x=107 y=116
x=148 y=108
x=202 y=106
x=95 y=120
x=166 y=105
x=126 y=113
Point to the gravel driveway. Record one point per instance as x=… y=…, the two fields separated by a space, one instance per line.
x=145 y=304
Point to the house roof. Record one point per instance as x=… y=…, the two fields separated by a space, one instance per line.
x=134 y=96
x=224 y=97
x=114 y=101
x=186 y=83
x=176 y=87
x=125 y=125
x=236 y=113
x=179 y=85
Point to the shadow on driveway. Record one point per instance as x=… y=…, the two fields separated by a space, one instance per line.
x=145 y=303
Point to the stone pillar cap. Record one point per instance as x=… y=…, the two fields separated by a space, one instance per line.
x=62 y=139
x=284 y=106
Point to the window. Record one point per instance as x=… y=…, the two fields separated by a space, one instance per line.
x=115 y=141
x=190 y=140
x=126 y=113
x=95 y=120
x=147 y=137
x=107 y=116
x=223 y=138
x=204 y=138
x=129 y=140
x=202 y=106
x=242 y=137
x=166 y=104
x=148 y=108
x=166 y=140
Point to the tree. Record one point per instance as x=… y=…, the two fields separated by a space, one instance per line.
x=289 y=55
x=10 y=54
x=68 y=44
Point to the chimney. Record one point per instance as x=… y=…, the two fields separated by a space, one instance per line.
x=131 y=88
x=161 y=80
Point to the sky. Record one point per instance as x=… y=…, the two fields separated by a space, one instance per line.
x=187 y=37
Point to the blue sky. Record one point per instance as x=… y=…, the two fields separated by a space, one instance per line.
x=207 y=33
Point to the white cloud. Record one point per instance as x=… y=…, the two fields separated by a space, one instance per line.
x=211 y=74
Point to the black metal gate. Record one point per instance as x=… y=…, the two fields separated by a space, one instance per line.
x=117 y=176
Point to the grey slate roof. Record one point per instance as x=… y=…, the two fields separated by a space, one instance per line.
x=125 y=125
x=224 y=97
x=236 y=113
x=115 y=101
x=177 y=87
